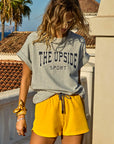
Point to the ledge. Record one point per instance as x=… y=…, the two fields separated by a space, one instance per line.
x=12 y=95
x=89 y=67
x=106 y=8
x=102 y=26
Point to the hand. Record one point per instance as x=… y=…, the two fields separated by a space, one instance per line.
x=21 y=125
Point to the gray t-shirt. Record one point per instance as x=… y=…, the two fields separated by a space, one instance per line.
x=55 y=70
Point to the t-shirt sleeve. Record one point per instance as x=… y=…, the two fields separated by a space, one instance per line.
x=83 y=55
x=24 y=53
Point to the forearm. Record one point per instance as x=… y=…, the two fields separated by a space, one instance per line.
x=25 y=83
x=24 y=87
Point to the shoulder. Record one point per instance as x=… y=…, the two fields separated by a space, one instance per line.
x=32 y=36
x=76 y=37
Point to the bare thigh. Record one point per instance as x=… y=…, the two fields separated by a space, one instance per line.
x=36 y=139
x=75 y=139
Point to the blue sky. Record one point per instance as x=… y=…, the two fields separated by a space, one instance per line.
x=98 y=1
x=37 y=10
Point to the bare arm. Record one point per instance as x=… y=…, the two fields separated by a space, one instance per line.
x=25 y=82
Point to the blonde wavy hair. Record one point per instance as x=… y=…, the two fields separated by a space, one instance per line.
x=53 y=18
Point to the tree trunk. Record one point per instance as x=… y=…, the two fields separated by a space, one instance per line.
x=15 y=26
x=3 y=27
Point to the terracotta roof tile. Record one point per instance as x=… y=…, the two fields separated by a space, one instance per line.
x=90 y=41
x=89 y=6
x=10 y=74
x=13 y=42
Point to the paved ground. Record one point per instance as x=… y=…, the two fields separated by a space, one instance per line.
x=24 y=141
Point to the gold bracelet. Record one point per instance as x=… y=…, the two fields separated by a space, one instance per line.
x=20 y=109
x=22 y=112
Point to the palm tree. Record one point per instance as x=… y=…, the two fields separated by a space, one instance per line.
x=4 y=14
x=13 y=10
x=20 y=9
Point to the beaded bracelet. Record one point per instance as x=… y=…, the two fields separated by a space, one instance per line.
x=20 y=119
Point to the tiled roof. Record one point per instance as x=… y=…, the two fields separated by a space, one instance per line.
x=90 y=41
x=13 y=42
x=10 y=74
x=89 y=6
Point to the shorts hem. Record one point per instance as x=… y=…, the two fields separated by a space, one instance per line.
x=64 y=134
x=43 y=135
x=76 y=133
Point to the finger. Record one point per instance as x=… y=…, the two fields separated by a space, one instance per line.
x=24 y=130
x=19 y=133
x=23 y=134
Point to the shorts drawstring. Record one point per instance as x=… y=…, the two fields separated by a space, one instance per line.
x=61 y=97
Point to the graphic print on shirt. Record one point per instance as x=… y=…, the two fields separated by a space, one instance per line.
x=53 y=57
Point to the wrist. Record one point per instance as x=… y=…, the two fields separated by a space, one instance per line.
x=19 y=119
x=20 y=116
x=21 y=109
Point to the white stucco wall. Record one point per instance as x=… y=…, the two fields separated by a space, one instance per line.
x=102 y=27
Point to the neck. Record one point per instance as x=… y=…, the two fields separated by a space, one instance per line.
x=60 y=35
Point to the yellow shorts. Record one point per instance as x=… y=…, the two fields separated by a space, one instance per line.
x=51 y=122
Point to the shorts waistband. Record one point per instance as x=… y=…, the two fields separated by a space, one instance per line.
x=61 y=97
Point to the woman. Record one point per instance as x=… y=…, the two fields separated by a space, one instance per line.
x=52 y=58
